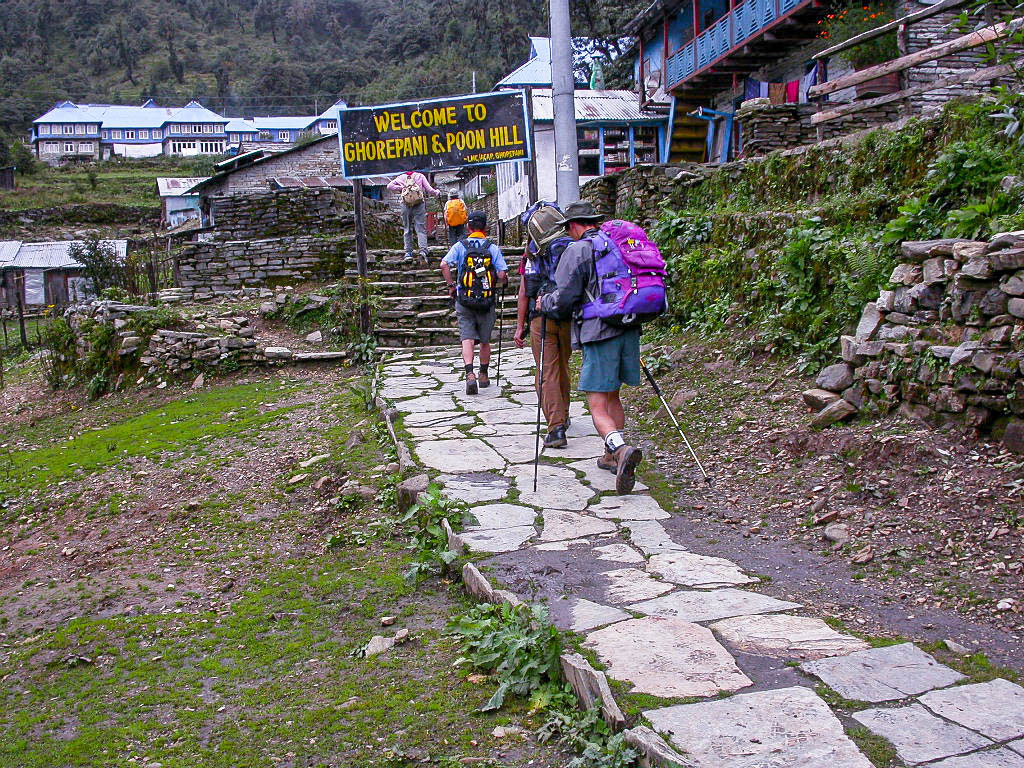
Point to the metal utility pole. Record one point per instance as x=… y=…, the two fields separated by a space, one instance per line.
x=567 y=157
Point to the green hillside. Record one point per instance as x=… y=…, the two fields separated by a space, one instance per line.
x=268 y=56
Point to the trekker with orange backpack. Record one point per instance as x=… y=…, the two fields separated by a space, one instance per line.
x=455 y=216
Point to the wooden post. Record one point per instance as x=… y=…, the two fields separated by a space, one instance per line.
x=531 y=167
x=903 y=47
x=364 y=304
x=21 y=314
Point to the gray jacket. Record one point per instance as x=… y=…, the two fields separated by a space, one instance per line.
x=575 y=279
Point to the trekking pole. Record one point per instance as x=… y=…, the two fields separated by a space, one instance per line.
x=540 y=384
x=657 y=391
x=501 y=326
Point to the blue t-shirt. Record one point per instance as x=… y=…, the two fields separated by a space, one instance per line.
x=456 y=256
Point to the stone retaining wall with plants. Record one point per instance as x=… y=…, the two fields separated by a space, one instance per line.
x=945 y=341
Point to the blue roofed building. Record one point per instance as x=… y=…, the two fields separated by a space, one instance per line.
x=73 y=131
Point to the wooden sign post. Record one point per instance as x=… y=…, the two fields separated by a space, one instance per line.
x=360 y=227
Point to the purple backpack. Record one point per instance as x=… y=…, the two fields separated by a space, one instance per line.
x=630 y=276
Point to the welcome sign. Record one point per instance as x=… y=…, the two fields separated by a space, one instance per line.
x=434 y=135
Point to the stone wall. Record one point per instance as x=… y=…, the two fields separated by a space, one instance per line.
x=165 y=354
x=945 y=343
x=299 y=212
x=284 y=236
x=318 y=158
x=766 y=127
x=213 y=269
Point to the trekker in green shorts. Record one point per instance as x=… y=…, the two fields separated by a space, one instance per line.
x=611 y=355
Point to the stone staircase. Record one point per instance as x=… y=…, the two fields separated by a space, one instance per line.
x=412 y=305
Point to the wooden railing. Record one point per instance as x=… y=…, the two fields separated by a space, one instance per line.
x=980 y=37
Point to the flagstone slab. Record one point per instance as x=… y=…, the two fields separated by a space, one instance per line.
x=995 y=708
x=465 y=455
x=699 y=571
x=579 y=448
x=618 y=553
x=600 y=479
x=632 y=507
x=1017 y=746
x=559 y=525
x=582 y=426
x=426 y=404
x=989 y=758
x=557 y=488
x=710 y=606
x=882 y=674
x=781 y=636
x=587 y=615
x=918 y=735
x=517 y=449
x=475 y=487
x=397 y=392
x=488 y=430
x=666 y=657
x=782 y=728
x=436 y=418
x=498 y=539
x=433 y=434
x=517 y=414
x=525 y=398
x=628 y=585
x=650 y=537
x=502 y=516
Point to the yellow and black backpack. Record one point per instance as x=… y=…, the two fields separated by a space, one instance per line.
x=477 y=275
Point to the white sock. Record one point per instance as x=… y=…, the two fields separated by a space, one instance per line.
x=613 y=441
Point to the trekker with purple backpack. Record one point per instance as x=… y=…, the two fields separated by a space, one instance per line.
x=610 y=280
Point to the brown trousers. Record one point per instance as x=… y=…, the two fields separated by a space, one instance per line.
x=554 y=394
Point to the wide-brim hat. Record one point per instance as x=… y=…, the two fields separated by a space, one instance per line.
x=582 y=210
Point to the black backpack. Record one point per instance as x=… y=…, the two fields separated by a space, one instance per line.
x=477 y=275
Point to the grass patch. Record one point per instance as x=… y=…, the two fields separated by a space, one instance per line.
x=877 y=749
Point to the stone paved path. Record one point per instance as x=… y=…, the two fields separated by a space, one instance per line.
x=673 y=623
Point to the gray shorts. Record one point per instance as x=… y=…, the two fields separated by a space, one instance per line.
x=474 y=324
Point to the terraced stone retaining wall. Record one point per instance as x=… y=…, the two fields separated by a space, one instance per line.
x=271 y=238
x=945 y=342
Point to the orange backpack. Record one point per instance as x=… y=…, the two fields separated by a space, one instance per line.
x=455 y=213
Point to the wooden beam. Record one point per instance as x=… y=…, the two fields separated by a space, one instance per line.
x=971 y=76
x=871 y=34
x=971 y=40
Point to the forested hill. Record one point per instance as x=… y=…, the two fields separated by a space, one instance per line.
x=268 y=56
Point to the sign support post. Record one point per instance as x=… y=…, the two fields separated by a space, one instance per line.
x=360 y=227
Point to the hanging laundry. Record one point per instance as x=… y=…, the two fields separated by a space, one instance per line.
x=808 y=80
x=793 y=91
x=777 y=93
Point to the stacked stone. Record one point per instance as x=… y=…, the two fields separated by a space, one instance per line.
x=173 y=353
x=209 y=270
x=768 y=127
x=946 y=341
x=281 y=212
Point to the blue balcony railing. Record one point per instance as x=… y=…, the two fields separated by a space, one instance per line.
x=744 y=22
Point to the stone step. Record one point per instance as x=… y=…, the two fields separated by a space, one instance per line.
x=423 y=337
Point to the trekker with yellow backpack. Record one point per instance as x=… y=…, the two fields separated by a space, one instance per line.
x=455 y=216
x=479 y=268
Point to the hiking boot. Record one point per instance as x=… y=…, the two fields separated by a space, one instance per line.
x=608 y=462
x=556 y=438
x=484 y=381
x=424 y=258
x=471 y=384
x=627 y=457
x=408 y=257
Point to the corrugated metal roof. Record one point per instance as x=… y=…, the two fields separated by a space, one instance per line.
x=168 y=187
x=283 y=123
x=597 y=106
x=331 y=113
x=55 y=254
x=238 y=125
x=120 y=116
x=8 y=250
x=293 y=182
x=537 y=69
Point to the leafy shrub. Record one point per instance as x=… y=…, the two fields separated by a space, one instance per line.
x=519 y=645
x=427 y=538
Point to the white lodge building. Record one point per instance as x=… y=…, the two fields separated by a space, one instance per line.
x=100 y=131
